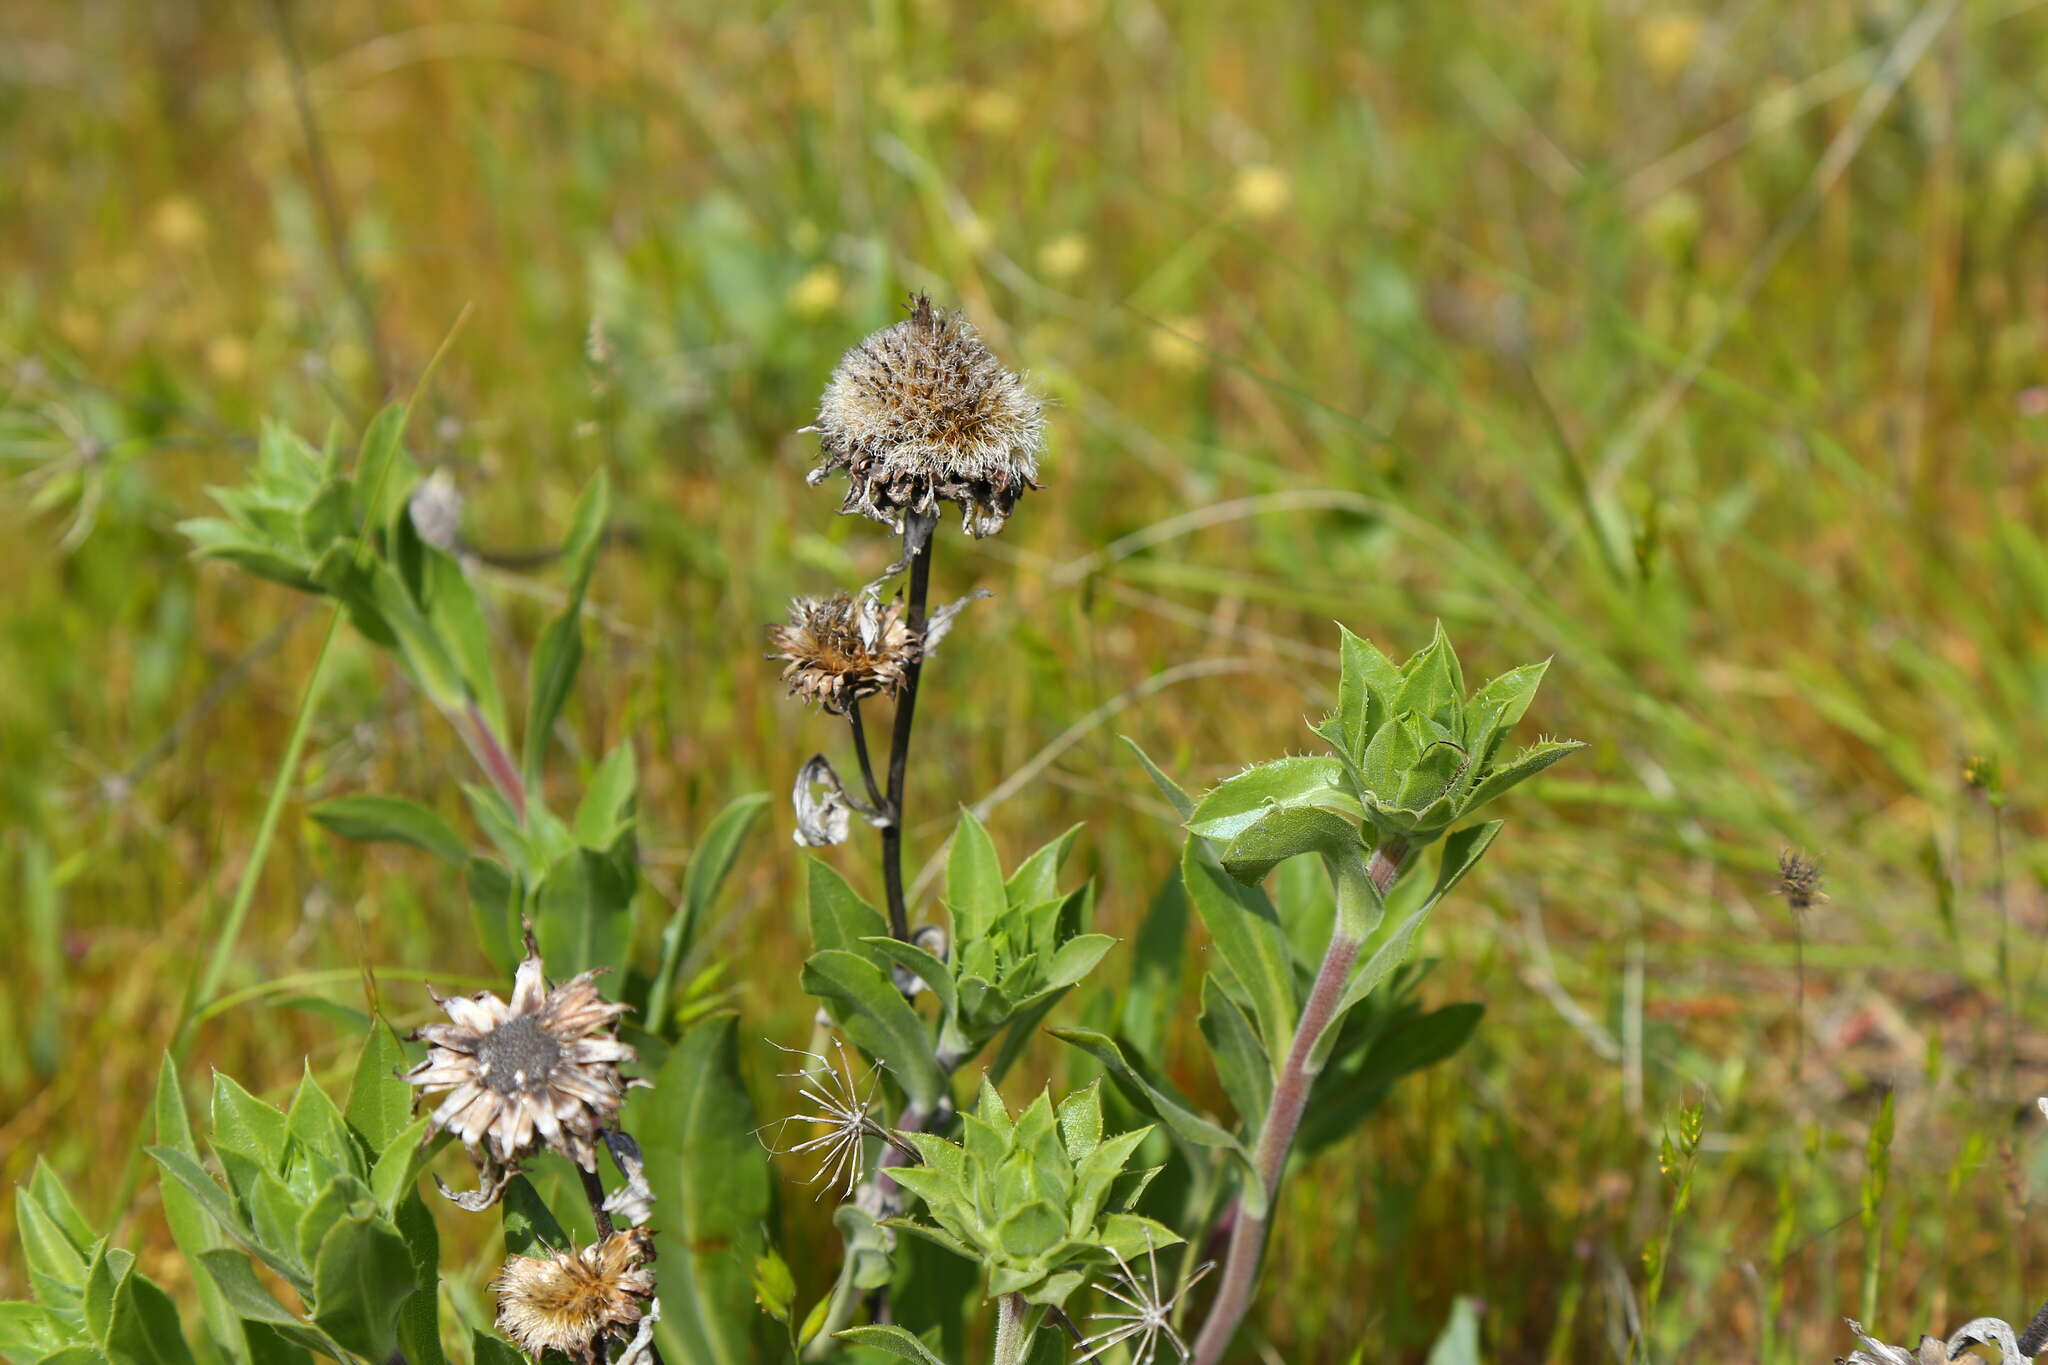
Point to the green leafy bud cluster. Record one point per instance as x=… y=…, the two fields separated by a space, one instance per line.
x=1414 y=754
x=1040 y=1199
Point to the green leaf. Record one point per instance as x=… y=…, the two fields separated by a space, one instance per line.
x=1284 y=832
x=361 y=1279
x=586 y=533
x=458 y=621
x=839 y=917
x=391 y=819
x=774 y=1286
x=1181 y=802
x=1248 y=937
x=894 y=1340
x=877 y=1017
x=1232 y=806
x=530 y=1226
x=584 y=910
x=1365 y=689
x=246 y=1125
x=975 y=891
x=606 y=811
x=549 y=677
x=560 y=652
x=320 y=1131
x=710 y=865
x=400 y=1164
x=494 y=907
x=1075 y=958
x=383 y=475
x=1157 y=961
x=486 y=1349
x=1431 y=680
x=420 y=646
x=1520 y=768
x=206 y=1192
x=28 y=1331
x=1241 y=1062
x=379 y=1101
x=712 y=1195
x=47 y=1189
x=141 y=1326
x=1152 y=1095
x=1037 y=878
x=1459 y=1344
x=191 y=1228
x=930 y=970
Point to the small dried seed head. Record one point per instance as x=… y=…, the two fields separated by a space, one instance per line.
x=841 y=649
x=571 y=1301
x=922 y=413
x=1799 y=880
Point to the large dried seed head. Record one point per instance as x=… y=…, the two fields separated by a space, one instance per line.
x=841 y=649
x=922 y=413
x=571 y=1301
x=539 y=1071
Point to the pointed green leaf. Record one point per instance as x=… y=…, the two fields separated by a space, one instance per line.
x=1182 y=803
x=1284 y=832
x=893 y=1340
x=361 y=1279
x=975 y=891
x=379 y=1100
x=1248 y=937
x=1520 y=768
x=877 y=1017
x=1236 y=803
x=712 y=1195
x=390 y=819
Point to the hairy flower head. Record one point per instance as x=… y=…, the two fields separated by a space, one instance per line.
x=840 y=649
x=571 y=1301
x=539 y=1071
x=923 y=412
x=1799 y=879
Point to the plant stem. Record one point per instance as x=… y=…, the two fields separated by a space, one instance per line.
x=493 y=759
x=230 y=930
x=899 y=745
x=333 y=225
x=1013 y=1336
x=1283 y=1117
x=867 y=767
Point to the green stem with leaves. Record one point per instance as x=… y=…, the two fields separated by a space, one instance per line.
x=1013 y=1330
x=1357 y=897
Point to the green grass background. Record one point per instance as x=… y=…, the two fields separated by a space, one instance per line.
x=1694 y=347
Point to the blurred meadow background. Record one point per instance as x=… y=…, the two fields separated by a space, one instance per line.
x=1699 y=348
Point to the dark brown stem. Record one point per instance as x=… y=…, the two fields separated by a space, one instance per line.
x=593 y=1190
x=867 y=767
x=1283 y=1117
x=899 y=745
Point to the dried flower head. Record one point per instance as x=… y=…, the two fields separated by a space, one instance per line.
x=1799 y=880
x=1150 y=1318
x=840 y=649
x=436 y=511
x=845 y=1111
x=536 y=1072
x=923 y=412
x=571 y=1301
x=1932 y=1351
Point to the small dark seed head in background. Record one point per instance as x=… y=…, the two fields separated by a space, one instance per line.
x=922 y=413
x=1799 y=880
